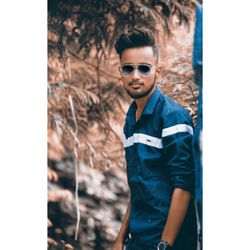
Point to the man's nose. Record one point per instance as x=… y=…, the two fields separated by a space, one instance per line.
x=135 y=74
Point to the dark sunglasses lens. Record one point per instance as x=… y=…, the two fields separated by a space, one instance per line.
x=127 y=69
x=144 y=69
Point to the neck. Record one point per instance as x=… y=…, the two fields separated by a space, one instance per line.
x=141 y=102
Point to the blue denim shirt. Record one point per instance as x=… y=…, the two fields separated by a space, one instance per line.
x=158 y=151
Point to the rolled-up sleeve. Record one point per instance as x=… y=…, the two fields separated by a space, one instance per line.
x=177 y=136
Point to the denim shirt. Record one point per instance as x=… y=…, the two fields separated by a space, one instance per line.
x=158 y=151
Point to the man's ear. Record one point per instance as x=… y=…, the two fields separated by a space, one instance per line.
x=158 y=71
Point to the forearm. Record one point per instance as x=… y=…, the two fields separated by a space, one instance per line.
x=125 y=225
x=178 y=208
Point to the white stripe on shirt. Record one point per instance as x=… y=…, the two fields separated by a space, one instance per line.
x=154 y=141
x=144 y=139
x=177 y=129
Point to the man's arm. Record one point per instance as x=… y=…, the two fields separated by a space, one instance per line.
x=119 y=242
x=178 y=208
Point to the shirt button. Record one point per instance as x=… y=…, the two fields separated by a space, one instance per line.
x=149 y=220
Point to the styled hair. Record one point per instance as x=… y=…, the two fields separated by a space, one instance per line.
x=135 y=38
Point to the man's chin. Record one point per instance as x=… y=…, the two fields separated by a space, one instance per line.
x=137 y=95
x=140 y=94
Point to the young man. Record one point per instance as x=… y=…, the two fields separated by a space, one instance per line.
x=158 y=149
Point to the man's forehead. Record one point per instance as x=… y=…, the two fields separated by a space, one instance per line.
x=137 y=55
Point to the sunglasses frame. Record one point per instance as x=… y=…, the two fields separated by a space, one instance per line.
x=135 y=66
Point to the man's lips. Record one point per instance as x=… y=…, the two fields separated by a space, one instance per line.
x=136 y=84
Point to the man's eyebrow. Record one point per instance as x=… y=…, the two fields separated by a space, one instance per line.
x=147 y=63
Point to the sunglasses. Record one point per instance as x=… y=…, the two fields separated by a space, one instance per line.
x=143 y=69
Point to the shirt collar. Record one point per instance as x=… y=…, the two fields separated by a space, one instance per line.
x=151 y=103
x=149 y=107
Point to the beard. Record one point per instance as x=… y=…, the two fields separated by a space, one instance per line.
x=142 y=93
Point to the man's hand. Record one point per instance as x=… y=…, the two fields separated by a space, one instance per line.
x=118 y=245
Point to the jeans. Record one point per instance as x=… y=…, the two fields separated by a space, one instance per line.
x=134 y=245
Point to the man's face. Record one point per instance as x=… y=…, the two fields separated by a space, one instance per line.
x=138 y=83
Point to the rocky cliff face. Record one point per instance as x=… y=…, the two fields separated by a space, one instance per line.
x=102 y=201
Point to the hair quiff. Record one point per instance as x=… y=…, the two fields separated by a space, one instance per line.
x=136 y=37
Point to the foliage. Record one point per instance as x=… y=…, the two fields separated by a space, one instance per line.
x=96 y=24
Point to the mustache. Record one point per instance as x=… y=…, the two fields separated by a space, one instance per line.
x=135 y=82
